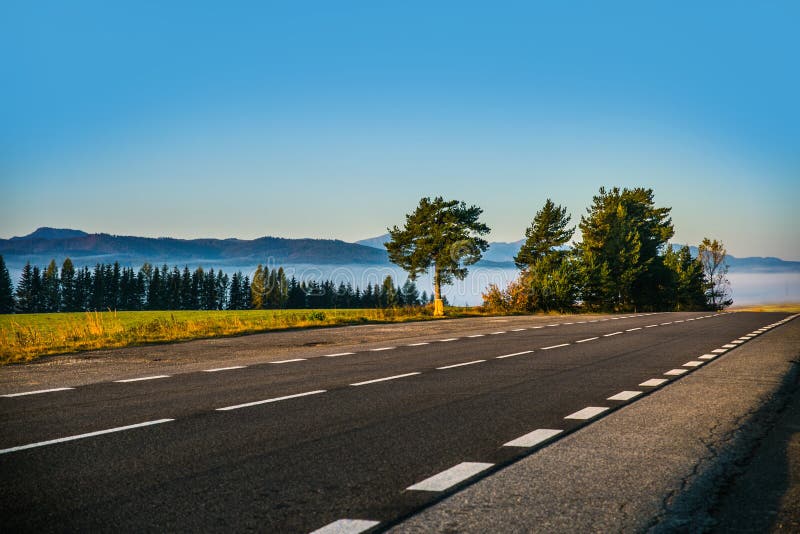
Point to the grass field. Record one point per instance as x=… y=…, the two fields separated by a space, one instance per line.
x=25 y=337
x=786 y=308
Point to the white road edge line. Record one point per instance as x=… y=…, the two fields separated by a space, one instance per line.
x=514 y=354
x=534 y=438
x=347 y=526
x=217 y=369
x=459 y=365
x=34 y=392
x=265 y=401
x=451 y=477
x=141 y=378
x=81 y=436
x=384 y=379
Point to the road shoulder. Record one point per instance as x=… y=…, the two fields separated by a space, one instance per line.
x=658 y=464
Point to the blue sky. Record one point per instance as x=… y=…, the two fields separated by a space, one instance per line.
x=332 y=119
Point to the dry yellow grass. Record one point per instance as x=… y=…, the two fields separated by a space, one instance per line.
x=785 y=307
x=29 y=336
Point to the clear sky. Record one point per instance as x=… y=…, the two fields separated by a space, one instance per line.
x=332 y=119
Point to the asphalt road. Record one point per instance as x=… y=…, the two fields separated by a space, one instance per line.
x=367 y=433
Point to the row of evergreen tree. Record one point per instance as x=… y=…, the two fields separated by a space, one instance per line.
x=114 y=287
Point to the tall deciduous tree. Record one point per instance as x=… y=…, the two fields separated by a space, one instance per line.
x=68 y=294
x=441 y=234
x=548 y=231
x=623 y=232
x=6 y=289
x=718 y=290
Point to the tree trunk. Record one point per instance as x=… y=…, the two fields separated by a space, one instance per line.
x=438 y=305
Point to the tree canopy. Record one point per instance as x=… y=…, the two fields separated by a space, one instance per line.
x=441 y=234
x=547 y=232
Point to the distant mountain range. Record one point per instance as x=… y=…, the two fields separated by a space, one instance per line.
x=45 y=244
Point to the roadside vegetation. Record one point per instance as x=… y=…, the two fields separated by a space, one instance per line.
x=24 y=337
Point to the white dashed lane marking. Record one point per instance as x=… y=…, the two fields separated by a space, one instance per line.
x=37 y=392
x=347 y=526
x=587 y=413
x=81 y=436
x=531 y=439
x=448 y=339
x=728 y=346
x=518 y=330
x=633 y=329
x=141 y=378
x=451 y=477
x=385 y=379
x=611 y=334
x=693 y=363
x=339 y=354
x=477 y=335
x=719 y=351
x=497 y=333
x=418 y=344
x=555 y=346
x=625 y=395
x=676 y=372
x=651 y=326
x=459 y=365
x=587 y=339
x=514 y=354
x=218 y=369
x=267 y=401
x=653 y=382
x=290 y=361
x=382 y=348
x=708 y=356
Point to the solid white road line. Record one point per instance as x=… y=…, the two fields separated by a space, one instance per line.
x=587 y=339
x=533 y=438
x=384 y=379
x=633 y=329
x=142 y=378
x=448 y=339
x=693 y=363
x=625 y=395
x=34 y=392
x=708 y=356
x=477 y=335
x=347 y=526
x=676 y=372
x=217 y=369
x=339 y=354
x=382 y=348
x=451 y=477
x=587 y=413
x=653 y=382
x=81 y=436
x=514 y=354
x=266 y=401
x=289 y=361
x=459 y=365
x=555 y=346
x=611 y=334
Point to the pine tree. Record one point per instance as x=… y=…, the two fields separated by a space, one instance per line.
x=443 y=235
x=37 y=290
x=257 y=288
x=7 y=301
x=547 y=232
x=68 y=295
x=51 y=289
